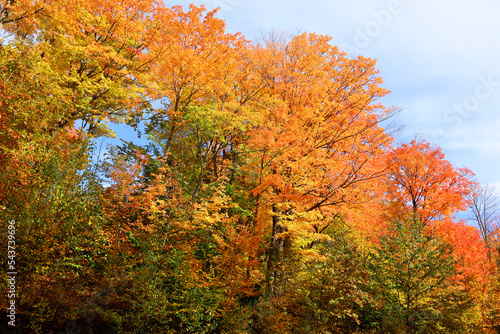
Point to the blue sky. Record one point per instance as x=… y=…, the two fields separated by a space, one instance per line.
x=440 y=59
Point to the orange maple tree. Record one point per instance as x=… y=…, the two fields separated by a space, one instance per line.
x=421 y=181
x=313 y=153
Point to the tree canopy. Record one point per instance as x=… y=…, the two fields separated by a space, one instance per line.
x=270 y=198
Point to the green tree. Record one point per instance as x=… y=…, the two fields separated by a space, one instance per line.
x=410 y=270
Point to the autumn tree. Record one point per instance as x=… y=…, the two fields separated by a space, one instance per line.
x=98 y=54
x=313 y=155
x=423 y=182
x=411 y=267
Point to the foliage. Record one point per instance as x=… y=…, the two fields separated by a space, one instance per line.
x=269 y=198
x=424 y=183
x=411 y=271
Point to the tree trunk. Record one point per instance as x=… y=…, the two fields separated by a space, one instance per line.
x=276 y=252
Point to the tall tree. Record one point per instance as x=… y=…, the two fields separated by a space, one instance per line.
x=314 y=153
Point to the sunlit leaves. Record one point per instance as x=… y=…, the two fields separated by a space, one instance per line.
x=423 y=182
x=262 y=202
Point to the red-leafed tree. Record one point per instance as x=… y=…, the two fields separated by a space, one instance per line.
x=475 y=273
x=421 y=181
